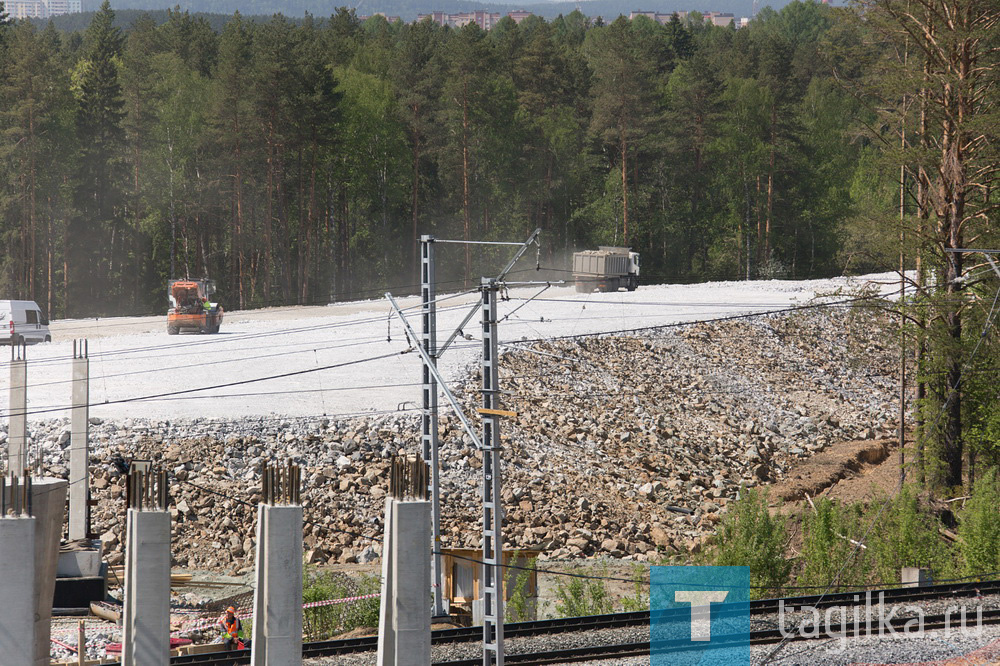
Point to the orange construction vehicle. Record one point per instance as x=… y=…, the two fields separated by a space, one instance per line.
x=190 y=307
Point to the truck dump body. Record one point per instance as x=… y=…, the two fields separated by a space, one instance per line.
x=606 y=269
x=597 y=264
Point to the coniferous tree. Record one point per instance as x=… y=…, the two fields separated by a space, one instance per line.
x=417 y=81
x=934 y=82
x=95 y=238
x=231 y=123
x=31 y=95
x=470 y=61
x=624 y=85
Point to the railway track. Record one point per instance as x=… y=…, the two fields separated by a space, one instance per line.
x=621 y=620
x=765 y=637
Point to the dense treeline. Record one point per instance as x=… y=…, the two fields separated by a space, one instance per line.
x=408 y=10
x=297 y=162
x=125 y=18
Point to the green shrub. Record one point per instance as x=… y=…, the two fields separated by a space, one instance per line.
x=979 y=528
x=639 y=601
x=518 y=608
x=906 y=536
x=576 y=597
x=829 y=538
x=751 y=537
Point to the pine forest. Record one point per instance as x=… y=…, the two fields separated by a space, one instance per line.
x=296 y=161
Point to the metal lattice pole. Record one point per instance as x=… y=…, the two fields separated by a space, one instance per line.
x=429 y=424
x=492 y=508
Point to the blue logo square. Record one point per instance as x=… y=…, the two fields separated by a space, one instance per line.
x=699 y=615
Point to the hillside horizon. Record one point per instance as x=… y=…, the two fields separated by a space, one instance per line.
x=408 y=10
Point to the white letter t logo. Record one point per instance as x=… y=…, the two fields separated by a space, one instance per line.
x=701 y=602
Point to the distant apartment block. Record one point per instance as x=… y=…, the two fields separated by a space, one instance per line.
x=721 y=19
x=484 y=19
x=23 y=9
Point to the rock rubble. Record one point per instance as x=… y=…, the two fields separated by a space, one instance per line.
x=628 y=447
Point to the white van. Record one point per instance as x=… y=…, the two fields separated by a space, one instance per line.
x=23 y=321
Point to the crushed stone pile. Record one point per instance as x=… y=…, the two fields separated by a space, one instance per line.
x=628 y=447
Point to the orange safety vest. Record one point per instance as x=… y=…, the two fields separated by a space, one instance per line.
x=233 y=628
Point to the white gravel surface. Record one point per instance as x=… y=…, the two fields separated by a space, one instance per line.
x=133 y=358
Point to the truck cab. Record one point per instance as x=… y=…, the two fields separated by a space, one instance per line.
x=191 y=308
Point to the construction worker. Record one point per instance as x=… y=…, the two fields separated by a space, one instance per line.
x=205 y=304
x=231 y=629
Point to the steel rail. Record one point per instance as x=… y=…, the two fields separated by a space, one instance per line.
x=589 y=653
x=765 y=637
x=619 y=620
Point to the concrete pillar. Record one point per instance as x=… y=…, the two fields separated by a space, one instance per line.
x=386 y=640
x=17 y=442
x=405 y=613
x=48 y=498
x=17 y=599
x=277 y=603
x=146 y=620
x=915 y=577
x=79 y=446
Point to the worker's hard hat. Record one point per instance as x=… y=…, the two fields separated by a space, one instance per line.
x=231 y=610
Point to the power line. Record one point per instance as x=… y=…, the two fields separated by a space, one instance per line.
x=222 y=340
x=217 y=386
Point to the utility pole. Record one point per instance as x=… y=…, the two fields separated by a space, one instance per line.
x=17 y=442
x=429 y=419
x=79 y=445
x=490 y=445
x=492 y=507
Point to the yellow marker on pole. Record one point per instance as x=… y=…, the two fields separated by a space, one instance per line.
x=496 y=412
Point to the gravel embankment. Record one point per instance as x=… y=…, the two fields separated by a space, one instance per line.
x=609 y=432
x=934 y=646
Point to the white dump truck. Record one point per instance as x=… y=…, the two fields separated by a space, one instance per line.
x=606 y=269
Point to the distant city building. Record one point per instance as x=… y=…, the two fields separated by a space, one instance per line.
x=519 y=15
x=722 y=19
x=484 y=19
x=43 y=9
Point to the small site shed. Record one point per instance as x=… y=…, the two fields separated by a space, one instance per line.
x=463 y=574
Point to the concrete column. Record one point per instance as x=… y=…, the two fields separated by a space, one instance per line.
x=277 y=603
x=146 y=621
x=48 y=499
x=386 y=640
x=405 y=615
x=79 y=446
x=17 y=442
x=17 y=599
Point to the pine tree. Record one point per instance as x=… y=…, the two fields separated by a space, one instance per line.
x=417 y=80
x=943 y=54
x=624 y=85
x=94 y=243
x=231 y=121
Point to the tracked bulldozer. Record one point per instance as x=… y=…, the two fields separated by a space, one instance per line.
x=191 y=308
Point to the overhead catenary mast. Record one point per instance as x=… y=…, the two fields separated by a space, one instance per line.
x=492 y=510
